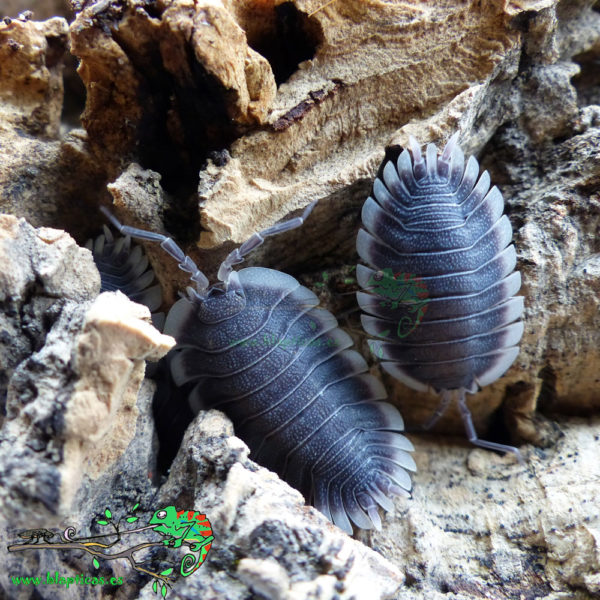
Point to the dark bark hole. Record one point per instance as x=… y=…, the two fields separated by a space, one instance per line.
x=392 y=153
x=74 y=93
x=287 y=38
x=185 y=121
x=498 y=431
x=182 y=126
x=547 y=396
x=172 y=415
x=587 y=82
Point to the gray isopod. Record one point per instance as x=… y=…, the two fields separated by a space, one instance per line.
x=125 y=267
x=440 y=288
x=256 y=346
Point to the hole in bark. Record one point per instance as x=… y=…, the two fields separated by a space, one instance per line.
x=391 y=154
x=587 y=82
x=498 y=431
x=74 y=94
x=286 y=39
x=547 y=396
x=152 y=9
x=172 y=415
x=184 y=119
x=181 y=126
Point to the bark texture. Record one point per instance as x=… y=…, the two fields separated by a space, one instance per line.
x=214 y=119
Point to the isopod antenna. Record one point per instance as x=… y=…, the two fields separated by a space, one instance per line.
x=168 y=244
x=255 y=240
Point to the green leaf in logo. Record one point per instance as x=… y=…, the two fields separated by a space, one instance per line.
x=96 y=563
x=108 y=514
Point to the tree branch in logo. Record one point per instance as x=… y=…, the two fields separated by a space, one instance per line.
x=180 y=528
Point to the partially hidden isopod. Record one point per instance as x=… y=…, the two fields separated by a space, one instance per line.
x=125 y=267
x=256 y=346
x=439 y=292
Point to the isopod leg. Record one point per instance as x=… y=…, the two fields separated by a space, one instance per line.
x=472 y=434
x=255 y=240
x=166 y=243
x=370 y=507
x=446 y=396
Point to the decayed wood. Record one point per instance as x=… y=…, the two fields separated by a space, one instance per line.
x=215 y=119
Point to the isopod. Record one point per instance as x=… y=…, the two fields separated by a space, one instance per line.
x=439 y=292
x=125 y=267
x=256 y=346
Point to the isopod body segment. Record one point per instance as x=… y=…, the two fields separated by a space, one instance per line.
x=256 y=346
x=125 y=267
x=439 y=291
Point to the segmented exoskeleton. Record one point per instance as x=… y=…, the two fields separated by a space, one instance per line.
x=256 y=346
x=125 y=267
x=442 y=266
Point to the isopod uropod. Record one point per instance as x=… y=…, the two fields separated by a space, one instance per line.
x=432 y=221
x=256 y=346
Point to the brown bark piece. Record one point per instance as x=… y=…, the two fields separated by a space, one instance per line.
x=376 y=66
x=37 y=166
x=179 y=77
x=31 y=74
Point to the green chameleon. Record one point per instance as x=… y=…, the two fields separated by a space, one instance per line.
x=401 y=292
x=185 y=526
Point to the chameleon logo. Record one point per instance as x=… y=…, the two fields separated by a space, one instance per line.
x=179 y=528
x=185 y=526
x=35 y=534
x=404 y=293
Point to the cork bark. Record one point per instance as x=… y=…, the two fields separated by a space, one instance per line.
x=211 y=120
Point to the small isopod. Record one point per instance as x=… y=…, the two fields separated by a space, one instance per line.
x=125 y=267
x=256 y=346
x=440 y=291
